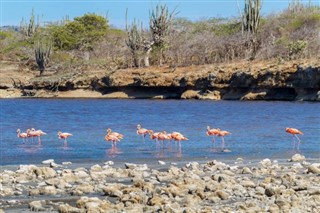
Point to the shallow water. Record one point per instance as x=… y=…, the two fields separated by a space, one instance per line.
x=257 y=129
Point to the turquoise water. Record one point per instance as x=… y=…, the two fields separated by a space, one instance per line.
x=257 y=129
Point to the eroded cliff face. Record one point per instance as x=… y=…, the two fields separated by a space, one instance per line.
x=240 y=81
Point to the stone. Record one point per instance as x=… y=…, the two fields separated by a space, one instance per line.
x=48 y=190
x=112 y=191
x=270 y=191
x=66 y=208
x=297 y=158
x=246 y=170
x=248 y=183
x=45 y=172
x=266 y=163
x=137 y=167
x=190 y=94
x=313 y=169
x=222 y=194
x=37 y=205
x=48 y=162
x=66 y=163
x=161 y=162
x=109 y=163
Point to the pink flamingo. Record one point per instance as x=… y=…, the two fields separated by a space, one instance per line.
x=64 y=135
x=177 y=136
x=212 y=132
x=118 y=135
x=114 y=139
x=31 y=133
x=294 y=132
x=142 y=131
x=38 y=133
x=222 y=134
x=164 y=136
x=22 y=135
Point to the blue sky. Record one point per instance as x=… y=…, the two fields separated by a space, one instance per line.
x=12 y=11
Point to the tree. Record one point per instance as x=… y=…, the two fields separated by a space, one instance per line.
x=160 y=24
x=80 y=33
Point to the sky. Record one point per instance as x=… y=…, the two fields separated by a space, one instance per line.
x=12 y=11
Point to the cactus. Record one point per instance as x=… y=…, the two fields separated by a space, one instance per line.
x=134 y=41
x=251 y=16
x=138 y=43
x=160 y=23
x=42 y=54
x=29 y=29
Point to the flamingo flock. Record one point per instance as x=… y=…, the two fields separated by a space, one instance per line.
x=115 y=137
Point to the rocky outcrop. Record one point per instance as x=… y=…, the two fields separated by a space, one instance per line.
x=242 y=81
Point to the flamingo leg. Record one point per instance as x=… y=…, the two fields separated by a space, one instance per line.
x=222 y=144
x=179 y=152
x=298 y=144
x=294 y=142
x=213 y=141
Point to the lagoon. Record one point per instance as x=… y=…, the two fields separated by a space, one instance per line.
x=258 y=129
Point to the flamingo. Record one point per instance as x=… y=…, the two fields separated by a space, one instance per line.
x=22 y=135
x=118 y=135
x=294 y=133
x=114 y=139
x=177 y=136
x=164 y=136
x=38 y=133
x=212 y=132
x=31 y=133
x=222 y=134
x=64 y=135
x=142 y=131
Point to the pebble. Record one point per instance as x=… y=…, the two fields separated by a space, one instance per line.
x=210 y=187
x=161 y=162
x=49 y=161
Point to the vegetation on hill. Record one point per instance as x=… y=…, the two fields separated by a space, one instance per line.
x=88 y=42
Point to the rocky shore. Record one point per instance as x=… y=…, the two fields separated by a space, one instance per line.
x=297 y=80
x=267 y=186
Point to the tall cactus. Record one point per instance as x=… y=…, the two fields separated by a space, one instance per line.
x=138 y=43
x=29 y=29
x=134 y=41
x=160 y=23
x=251 y=16
x=42 y=54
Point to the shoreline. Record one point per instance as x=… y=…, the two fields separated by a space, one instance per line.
x=266 y=185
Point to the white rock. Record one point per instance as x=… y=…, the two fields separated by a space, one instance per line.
x=265 y=162
x=49 y=161
x=297 y=158
x=66 y=163
x=54 y=165
x=161 y=162
x=109 y=163
x=297 y=166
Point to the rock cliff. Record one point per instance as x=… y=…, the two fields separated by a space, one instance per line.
x=294 y=80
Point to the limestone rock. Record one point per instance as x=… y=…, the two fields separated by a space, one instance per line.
x=297 y=158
